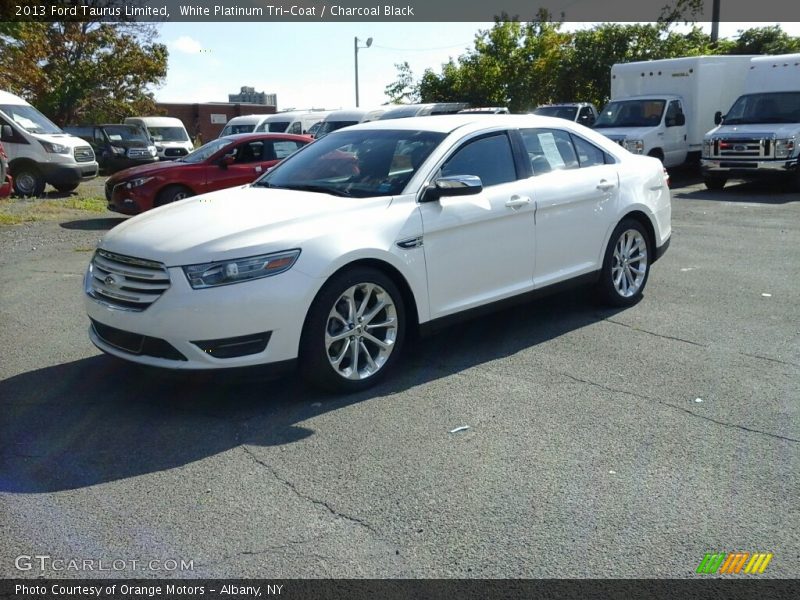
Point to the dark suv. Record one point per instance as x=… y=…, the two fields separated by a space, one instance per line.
x=117 y=146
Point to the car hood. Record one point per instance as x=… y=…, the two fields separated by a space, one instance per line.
x=627 y=133
x=236 y=222
x=757 y=130
x=145 y=170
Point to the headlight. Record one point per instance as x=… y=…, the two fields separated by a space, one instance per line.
x=708 y=147
x=54 y=148
x=152 y=150
x=118 y=150
x=635 y=146
x=242 y=269
x=784 y=148
x=137 y=182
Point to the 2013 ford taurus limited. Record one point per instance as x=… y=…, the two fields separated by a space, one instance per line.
x=338 y=252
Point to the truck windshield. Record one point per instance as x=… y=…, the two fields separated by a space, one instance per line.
x=562 y=112
x=168 y=134
x=234 y=129
x=30 y=119
x=631 y=113
x=124 y=133
x=773 y=107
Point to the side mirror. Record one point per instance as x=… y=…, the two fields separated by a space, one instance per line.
x=453 y=185
x=6 y=133
x=718 y=117
x=226 y=161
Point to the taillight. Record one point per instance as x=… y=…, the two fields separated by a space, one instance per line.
x=666 y=176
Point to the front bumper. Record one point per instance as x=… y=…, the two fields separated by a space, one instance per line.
x=187 y=320
x=748 y=168
x=6 y=187
x=129 y=201
x=66 y=175
x=118 y=163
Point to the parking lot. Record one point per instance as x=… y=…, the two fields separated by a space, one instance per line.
x=600 y=443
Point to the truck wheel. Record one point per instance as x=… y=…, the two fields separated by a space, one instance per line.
x=66 y=188
x=715 y=183
x=656 y=153
x=172 y=193
x=28 y=181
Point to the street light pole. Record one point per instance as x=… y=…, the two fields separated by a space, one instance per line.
x=355 y=55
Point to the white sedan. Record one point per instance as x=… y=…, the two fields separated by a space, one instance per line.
x=337 y=254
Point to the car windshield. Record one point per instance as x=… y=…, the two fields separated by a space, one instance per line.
x=30 y=119
x=774 y=107
x=125 y=133
x=206 y=151
x=362 y=164
x=631 y=113
x=168 y=134
x=277 y=126
x=562 y=112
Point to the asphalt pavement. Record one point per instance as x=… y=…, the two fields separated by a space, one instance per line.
x=600 y=443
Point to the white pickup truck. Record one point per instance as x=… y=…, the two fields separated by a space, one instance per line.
x=759 y=136
x=662 y=108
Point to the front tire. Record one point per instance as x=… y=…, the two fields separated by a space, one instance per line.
x=715 y=183
x=66 y=188
x=172 y=193
x=354 y=331
x=28 y=181
x=626 y=265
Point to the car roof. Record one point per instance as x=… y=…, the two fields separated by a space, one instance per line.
x=449 y=123
x=267 y=136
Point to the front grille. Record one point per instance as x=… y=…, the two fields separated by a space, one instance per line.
x=742 y=148
x=126 y=282
x=138 y=153
x=83 y=154
x=175 y=152
x=135 y=343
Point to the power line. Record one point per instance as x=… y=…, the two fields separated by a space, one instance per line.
x=420 y=49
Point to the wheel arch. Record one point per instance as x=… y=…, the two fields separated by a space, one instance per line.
x=410 y=303
x=20 y=162
x=644 y=220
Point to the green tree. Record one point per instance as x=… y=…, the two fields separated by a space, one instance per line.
x=764 y=40
x=83 y=71
x=403 y=89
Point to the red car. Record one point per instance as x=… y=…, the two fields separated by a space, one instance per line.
x=222 y=163
x=5 y=178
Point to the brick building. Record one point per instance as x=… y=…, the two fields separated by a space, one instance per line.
x=210 y=117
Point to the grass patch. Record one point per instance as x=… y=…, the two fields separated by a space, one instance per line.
x=22 y=210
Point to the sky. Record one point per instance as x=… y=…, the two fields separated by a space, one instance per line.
x=311 y=65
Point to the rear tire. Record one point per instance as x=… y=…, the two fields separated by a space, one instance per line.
x=715 y=183
x=28 y=181
x=172 y=193
x=343 y=347
x=626 y=265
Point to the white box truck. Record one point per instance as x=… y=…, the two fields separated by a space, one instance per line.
x=663 y=108
x=39 y=152
x=759 y=136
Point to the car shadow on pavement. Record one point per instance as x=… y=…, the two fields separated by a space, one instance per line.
x=100 y=224
x=753 y=192
x=100 y=419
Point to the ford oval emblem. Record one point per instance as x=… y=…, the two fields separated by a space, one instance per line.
x=111 y=281
x=739 y=148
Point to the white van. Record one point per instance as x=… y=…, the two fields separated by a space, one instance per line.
x=243 y=124
x=39 y=152
x=168 y=134
x=344 y=118
x=299 y=122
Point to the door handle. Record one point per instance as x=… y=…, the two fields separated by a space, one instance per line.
x=605 y=185
x=517 y=201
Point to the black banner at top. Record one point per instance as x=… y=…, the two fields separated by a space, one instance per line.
x=276 y=11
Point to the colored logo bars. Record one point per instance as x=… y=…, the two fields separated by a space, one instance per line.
x=733 y=562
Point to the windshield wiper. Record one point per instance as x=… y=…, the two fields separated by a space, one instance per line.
x=321 y=189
